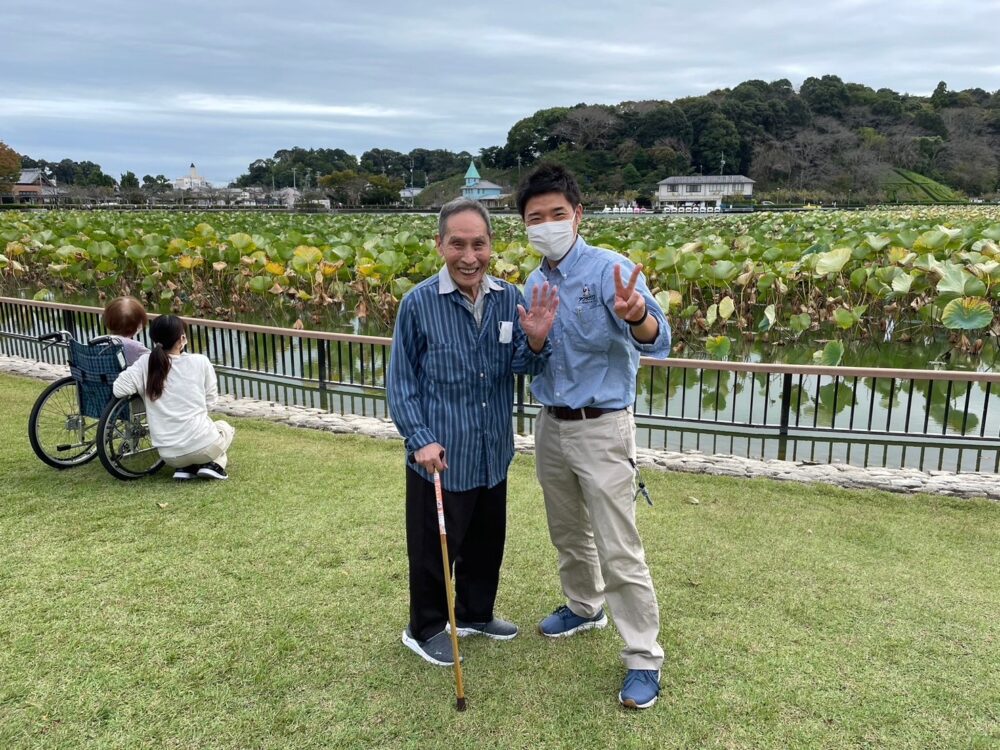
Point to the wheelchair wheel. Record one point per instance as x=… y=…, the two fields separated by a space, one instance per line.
x=59 y=434
x=123 y=442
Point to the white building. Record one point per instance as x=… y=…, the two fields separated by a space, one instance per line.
x=287 y=196
x=702 y=191
x=192 y=181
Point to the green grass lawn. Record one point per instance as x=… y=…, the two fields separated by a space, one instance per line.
x=265 y=612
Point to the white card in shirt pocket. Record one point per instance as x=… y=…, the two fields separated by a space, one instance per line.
x=506 y=331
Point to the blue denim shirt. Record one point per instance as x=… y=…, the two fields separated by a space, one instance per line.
x=452 y=382
x=594 y=358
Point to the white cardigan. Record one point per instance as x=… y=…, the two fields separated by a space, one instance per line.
x=178 y=420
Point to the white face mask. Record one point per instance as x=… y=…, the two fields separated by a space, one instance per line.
x=553 y=239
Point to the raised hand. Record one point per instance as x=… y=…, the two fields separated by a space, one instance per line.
x=537 y=322
x=629 y=304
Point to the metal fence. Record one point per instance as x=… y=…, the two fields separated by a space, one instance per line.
x=928 y=419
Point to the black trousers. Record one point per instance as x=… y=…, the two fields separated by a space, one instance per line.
x=476 y=522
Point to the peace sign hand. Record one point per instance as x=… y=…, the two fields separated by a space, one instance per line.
x=629 y=304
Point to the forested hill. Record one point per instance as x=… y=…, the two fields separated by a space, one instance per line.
x=826 y=140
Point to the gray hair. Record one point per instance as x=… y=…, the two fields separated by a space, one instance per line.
x=457 y=206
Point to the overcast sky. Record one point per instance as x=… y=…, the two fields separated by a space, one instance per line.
x=151 y=87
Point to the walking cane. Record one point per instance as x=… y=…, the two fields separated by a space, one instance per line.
x=459 y=689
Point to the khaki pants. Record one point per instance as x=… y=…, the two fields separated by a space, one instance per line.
x=589 y=487
x=215 y=452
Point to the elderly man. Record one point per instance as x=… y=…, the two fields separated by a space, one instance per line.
x=460 y=337
x=585 y=434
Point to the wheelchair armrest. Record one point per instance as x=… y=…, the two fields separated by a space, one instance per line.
x=55 y=336
x=98 y=340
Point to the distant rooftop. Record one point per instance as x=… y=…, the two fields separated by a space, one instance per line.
x=699 y=179
x=472 y=173
x=29 y=176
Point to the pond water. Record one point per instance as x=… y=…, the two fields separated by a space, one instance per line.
x=920 y=352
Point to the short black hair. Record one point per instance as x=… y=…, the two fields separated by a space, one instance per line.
x=548 y=178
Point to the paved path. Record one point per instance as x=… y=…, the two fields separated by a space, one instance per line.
x=841 y=475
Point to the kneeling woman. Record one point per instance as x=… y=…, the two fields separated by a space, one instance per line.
x=178 y=390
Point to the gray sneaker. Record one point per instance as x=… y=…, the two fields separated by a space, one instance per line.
x=436 y=649
x=496 y=629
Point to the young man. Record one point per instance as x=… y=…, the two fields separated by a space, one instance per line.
x=585 y=432
x=460 y=337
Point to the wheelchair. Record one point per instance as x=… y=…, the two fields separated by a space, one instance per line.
x=78 y=418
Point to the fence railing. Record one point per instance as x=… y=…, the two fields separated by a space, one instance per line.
x=937 y=419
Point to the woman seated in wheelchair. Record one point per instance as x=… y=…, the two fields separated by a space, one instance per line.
x=178 y=389
x=124 y=318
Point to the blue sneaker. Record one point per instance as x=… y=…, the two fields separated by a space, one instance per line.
x=640 y=689
x=564 y=622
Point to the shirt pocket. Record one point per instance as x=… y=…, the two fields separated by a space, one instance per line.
x=589 y=329
x=445 y=365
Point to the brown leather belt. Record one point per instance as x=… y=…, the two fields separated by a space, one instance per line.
x=587 y=412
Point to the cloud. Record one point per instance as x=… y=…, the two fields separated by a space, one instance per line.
x=262 y=107
x=230 y=81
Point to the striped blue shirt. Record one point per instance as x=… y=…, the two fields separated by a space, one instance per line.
x=451 y=381
x=595 y=357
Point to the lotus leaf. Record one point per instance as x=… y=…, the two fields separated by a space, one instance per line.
x=832 y=261
x=799 y=322
x=953 y=279
x=967 y=314
x=275 y=269
x=726 y=307
x=722 y=270
x=830 y=355
x=902 y=282
x=718 y=346
x=877 y=241
x=768 y=319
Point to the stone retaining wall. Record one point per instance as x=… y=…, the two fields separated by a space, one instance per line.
x=841 y=475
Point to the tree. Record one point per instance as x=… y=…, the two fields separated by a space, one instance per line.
x=156 y=185
x=129 y=181
x=492 y=156
x=588 y=127
x=385 y=161
x=941 y=97
x=381 y=191
x=631 y=177
x=293 y=166
x=10 y=168
x=930 y=120
x=535 y=135
x=345 y=187
x=717 y=138
x=666 y=121
x=439 y=163
x=825 y=96
x=89 y=174
x=887 y=104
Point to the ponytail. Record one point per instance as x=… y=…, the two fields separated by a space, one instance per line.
x=159 y=367
x=165 y=332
